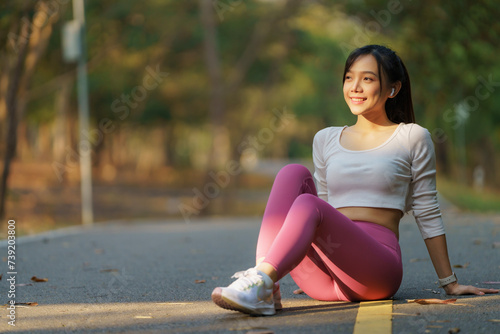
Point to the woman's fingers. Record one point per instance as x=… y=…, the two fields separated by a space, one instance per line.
x=488 y=290
x=478 y=291
x=469 y=289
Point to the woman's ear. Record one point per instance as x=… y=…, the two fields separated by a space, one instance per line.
x=395 y=88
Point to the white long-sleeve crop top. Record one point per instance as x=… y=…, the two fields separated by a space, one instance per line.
x=399 y=174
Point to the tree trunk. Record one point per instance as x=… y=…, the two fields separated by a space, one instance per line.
x=61 y=123
x=11 y=106
x=31 y=44
x=216 y=103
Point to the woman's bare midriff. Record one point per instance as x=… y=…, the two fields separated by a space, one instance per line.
x=386 y=217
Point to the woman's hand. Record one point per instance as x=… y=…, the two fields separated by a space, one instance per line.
x=457 y=289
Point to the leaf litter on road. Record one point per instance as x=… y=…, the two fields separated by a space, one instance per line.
x=23 y=304
x=433 y=291
x=426 y=301
x=37 y=279
x=430 y=301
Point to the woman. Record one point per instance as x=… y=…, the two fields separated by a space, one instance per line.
x=340 y=242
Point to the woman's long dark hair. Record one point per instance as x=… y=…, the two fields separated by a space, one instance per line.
x=400 y=108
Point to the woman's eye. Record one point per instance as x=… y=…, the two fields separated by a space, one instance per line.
x=347 y=77
x=368 y=79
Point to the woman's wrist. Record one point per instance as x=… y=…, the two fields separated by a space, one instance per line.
x=447 y=280
x=450 y=287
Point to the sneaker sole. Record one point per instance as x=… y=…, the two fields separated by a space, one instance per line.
x=229 y=304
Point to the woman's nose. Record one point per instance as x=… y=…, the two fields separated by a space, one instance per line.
x=356 y=87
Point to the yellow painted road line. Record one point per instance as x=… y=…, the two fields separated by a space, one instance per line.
x=374 y=317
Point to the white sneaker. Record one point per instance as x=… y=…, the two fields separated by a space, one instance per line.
x=251 y=293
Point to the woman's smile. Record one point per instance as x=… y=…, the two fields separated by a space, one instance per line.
x=357 y=100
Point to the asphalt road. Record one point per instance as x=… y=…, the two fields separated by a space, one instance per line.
x=157 y=276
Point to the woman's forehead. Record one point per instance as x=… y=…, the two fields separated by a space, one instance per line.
x=365 y=63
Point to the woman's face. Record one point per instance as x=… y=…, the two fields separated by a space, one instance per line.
x=362 y=91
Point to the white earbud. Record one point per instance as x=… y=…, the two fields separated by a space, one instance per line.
x=392 y=92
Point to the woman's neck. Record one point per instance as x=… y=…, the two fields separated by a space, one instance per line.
x=374 y=124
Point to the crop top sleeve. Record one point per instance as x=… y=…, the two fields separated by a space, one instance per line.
x=423 y=191
x=319 y=165
x=399 y=174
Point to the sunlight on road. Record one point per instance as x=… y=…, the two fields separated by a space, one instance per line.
x=171 y=316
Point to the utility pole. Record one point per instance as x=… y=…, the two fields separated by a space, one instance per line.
x=75 y=50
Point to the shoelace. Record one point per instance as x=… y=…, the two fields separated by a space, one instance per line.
x=246 y=278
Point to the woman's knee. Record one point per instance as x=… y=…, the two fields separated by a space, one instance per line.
x=306 y=206
x=308 y=200
x=294 y=170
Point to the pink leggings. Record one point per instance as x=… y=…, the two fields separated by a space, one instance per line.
x=329 y=256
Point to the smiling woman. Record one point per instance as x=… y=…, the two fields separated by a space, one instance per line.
x=384 y=70
x=336 y=231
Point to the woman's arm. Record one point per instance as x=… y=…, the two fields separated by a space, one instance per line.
x=438 y=251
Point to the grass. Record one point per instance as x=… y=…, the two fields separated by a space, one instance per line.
x=469 y=199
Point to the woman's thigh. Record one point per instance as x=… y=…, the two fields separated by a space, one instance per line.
x=349 y=260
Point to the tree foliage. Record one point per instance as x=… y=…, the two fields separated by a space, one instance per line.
x=272 y=55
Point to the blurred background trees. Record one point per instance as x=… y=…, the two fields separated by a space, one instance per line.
x=181 y=88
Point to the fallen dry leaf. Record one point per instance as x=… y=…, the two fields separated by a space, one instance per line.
x=198 y=281
x=24 y=284
x=28 y=304
x=496 y=244
x=109 y=270
x=298 y=292
x=494 y=320
x=461 y=265
x=36 y=279
x=428 y=301
x=453 y=330
x=1 y=275
x=417 y=260
x=143 y=317
x=252 y=330
x=99 y=251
